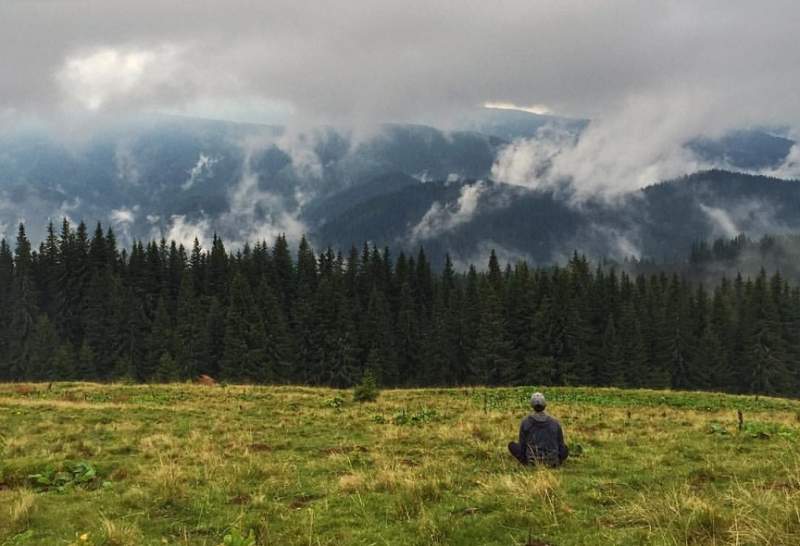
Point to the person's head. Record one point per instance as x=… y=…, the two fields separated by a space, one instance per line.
x=538 y=402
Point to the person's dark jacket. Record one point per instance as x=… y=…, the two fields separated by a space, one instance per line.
x=543 y=440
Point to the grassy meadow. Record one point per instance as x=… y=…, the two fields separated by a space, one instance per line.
x=88 y=464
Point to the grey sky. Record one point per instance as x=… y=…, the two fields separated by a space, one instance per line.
x=718 y=62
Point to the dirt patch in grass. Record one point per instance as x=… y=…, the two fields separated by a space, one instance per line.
x=24 y=389
x=301 y=501
x=241 y=499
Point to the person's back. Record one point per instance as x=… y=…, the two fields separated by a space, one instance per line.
x=541 y=439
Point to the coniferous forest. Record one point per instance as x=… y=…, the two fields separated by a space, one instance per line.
x=80 y=307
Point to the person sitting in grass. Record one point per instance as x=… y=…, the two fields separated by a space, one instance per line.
x=541 y=440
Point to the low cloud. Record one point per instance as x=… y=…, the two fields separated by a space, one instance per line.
x=184 y=231
x=122 y=216
x=123 y=219
x=642 y=142
x=528 y=162
x=790 y=168
x=442 y=218
x=754 y=217
x=126 y=163
x=202 y=169
x=257 y=214
x=721 y=222
x=479 y=257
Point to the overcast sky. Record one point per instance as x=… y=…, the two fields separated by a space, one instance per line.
x=406 y=60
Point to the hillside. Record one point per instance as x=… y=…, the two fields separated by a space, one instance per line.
x=188 y=464
x=399 y=185
x=660 y=222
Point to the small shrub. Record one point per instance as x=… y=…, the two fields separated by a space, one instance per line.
x=72 y=474
x=337 y=402
x=718 y=429
x=424 y=415
x=235 y=538
x=367 y=390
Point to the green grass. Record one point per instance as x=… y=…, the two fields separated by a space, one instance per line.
x=187 y=464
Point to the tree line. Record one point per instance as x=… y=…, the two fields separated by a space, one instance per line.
x=78 y=307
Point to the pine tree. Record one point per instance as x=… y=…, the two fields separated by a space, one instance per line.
x=191 y=339
x=492 y=357
x=633 y=352
x=101 y=333
x=44 y=346
x=377 y=336
x=407 y=338
x=24 y=311
x=284 y=272
x=64 y=362
x=215 y=337
x=764 y=358
x=167 y=370
x=6 y=309
x=85 y=365
x=244 y=356
x=161 y=341
x=470 y=322
x=613 y=373
x=437 y=347
x=280 y=351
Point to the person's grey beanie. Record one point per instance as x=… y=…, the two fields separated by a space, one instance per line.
x=537 y=399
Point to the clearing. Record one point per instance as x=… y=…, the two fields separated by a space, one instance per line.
x=180 y=464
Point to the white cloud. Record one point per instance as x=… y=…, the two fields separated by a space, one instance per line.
x=126 y=164
x=722 y=223
x=754 y=217
x=112 y=74
x=528 y=162
x=479 y=257
x=123 y=215
x=441 y=218
x=257 y=214
x=300 y=147
x=203 y=168
x=640 y=143
x=123 y=220
x=790 y=168
x=184 y=232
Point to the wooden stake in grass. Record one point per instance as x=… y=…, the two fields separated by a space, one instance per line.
x=741 y=419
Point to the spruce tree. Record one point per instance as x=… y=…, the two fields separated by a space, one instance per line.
x=24 y=311
x=493 y=356
x=44 y=346
x=407 y=338
x=161 y=341
x=613 y=374
x=244 y=355
x=85 y=363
